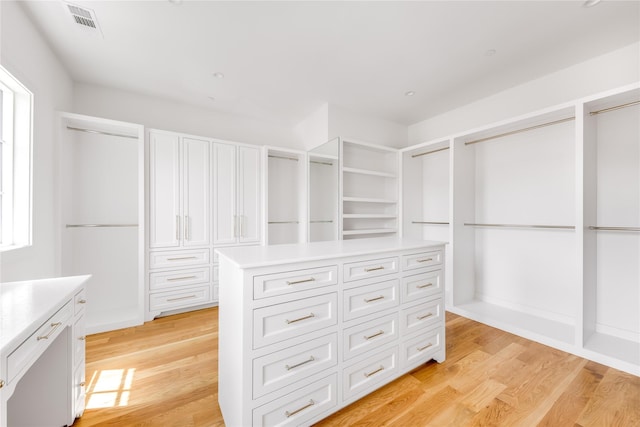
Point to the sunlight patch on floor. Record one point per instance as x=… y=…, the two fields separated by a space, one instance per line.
x=109 y=388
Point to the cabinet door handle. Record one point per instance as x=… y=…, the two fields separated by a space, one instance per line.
x=424 y=316
x=424 y=260
x=380 y=332
x=180 y=298
x=295 y=282
x=82 y=301
x=368 y=374
x=1 y=383
x=292 y=413
x=424 y=347
x=187 y=231
x=171 y=279
x=177 y=227
x=374 y=299
x=54 y=326
x=309 y=316
x=426 y=285
x=310 y=359
x=367 y=270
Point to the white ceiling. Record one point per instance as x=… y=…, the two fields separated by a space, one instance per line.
x=282 y=60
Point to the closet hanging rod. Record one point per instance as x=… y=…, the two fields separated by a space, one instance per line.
x=295 y=159
x=429 y=152
x=617 y=107
x=430 y=222
x=283 y=222
x=513 y=132
x=555 y=227
x=326 y=221
x=615 y=228
x=99 y=225
x=101 y=132
x=321 y=163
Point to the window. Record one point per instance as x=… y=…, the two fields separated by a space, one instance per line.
x=15 y=162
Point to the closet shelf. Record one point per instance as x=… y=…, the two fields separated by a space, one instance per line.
x=369 y=231
x=367 y=200
x=369 y=216
x=369 y=172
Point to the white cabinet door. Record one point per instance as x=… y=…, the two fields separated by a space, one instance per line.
x=249 y=194
x=196 y=192
x=224 y=191
x=164 y=191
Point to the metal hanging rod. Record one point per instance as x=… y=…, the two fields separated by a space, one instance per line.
x=283 y=222
x=617 y=107
x=430 y=222
x=101 y=132
x=321 y=163
x=614 y=228
x=295 y=159
x=326 y=221
x=99 y=225
x=513 y=132
x=554 y=227
x=429 y=152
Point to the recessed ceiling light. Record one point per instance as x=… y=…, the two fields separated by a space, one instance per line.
x=590 y=3
x=409 y=93
x=490 y=52
x=218 y=75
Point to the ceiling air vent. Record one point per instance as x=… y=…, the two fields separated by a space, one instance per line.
x=84 y=18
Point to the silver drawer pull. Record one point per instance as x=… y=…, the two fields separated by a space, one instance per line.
x=82 y=301
x=170 y=279
x=424 y=260
x=82 y=384
x=300 y=318
x=1 y=383
x=295 y=282
x=424 y=316
x=380 y=332
x=374 y=299
x=368 y=374
x=54 y=326
x=181 y=258
x=373 y=269
x=424 y=347
x=180 y=298
x=291 y=414
x=82 y=338
x=310 y=359
x=426 y=285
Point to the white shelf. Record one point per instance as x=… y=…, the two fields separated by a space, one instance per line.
x=369 y=216
x=369 y=231
x=367 y=200
x=369 y=172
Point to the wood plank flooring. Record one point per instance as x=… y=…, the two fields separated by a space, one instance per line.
x=164 y=373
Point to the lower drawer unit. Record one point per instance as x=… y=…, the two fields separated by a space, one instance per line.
x=421 y=316
x=279 y=369
x=79 y=390
x=363 y=377
x=421 y=348
x=181 y=258
x=162 y=301
x=294 y=281
x=370 y=336
x=300 y=406
x=162 y=280
x=422 y=260
x=370 y=299
x=418 y=286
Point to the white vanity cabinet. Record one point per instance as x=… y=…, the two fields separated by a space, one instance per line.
x=306 y=329
x=42 y=351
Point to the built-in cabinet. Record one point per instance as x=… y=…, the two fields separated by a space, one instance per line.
x=236 y=188
x=369 y=190
x=324 y=190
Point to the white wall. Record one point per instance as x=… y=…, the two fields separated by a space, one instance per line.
x=26 y=55
x=314 y=130
x=158 y=113
x=614 y=69
x=346 y=123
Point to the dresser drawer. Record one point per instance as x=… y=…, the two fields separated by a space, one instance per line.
x=216 y=274
x=216 y=292
x=421 y=348
x=421 y=316
x=276 y=370
x=422 y=260
x=294 y=281
x=79 y=301
x=162 y=301
x=183 y=258
x=170 y=279
x=363 y=377
x=37 y=343
x=369 y=336
x=370 y=299
x=302 y=405
x=79 y=339
x=282 y=321
x=421 y=285
x=78 y=390
x=370 y=268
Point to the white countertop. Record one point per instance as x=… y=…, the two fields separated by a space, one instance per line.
x=24 y=306
x=263 y=256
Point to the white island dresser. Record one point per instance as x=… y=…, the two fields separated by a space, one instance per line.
x=306 y=329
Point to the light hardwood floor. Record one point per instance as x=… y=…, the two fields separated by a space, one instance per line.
x=164 y=373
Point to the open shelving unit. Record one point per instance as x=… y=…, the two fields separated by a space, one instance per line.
x=324 y=187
